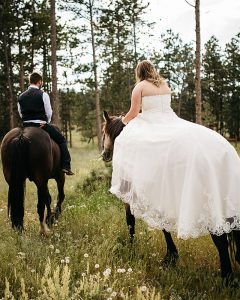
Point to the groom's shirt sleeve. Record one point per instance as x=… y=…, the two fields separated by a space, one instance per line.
x=19 y=110
x=47 y=106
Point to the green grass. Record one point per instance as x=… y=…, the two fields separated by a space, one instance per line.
x=91 y=232
x=237 y=147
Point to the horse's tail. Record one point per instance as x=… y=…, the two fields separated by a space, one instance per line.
x=18 y=174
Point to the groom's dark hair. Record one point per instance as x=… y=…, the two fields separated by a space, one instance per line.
x=35 y=77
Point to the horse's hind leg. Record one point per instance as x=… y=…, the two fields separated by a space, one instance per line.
x=172 y=252
x=60 y=184
x=16 y=204
x=43 y=199
x=130 y=221
x=50 y=216
x=221 y=243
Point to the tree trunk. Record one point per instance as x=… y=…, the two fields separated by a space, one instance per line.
x=21 y=64
x=70 y=133
x=198 y=103
x=45 y=74
x=69 y=121
x=7 y=52
x=135 y=40
x=55 y=99
x=98 y=113
x=33 y=37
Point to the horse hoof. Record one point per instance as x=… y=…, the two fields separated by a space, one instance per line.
x=44 y=230
x=170 y=260
x=50 y=220
x=131 y=240
x=230 y=281
x=18 y=228
x=237 y=257
x=46 y=233
x=57 y=213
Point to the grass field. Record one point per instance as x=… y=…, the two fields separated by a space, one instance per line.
x=88 y=256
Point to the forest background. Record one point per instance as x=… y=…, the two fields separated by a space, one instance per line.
x=98 y=44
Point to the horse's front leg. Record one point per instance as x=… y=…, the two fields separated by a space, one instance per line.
x=236 y=235
x=172 y=252
x=221 y=242
x=130 y=221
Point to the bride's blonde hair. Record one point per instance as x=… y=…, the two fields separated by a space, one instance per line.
x=145 y=70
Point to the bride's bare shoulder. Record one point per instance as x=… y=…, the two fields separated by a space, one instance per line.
x=165 y=86
x=148 y=88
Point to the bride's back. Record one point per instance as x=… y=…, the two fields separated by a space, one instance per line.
x=150 y=89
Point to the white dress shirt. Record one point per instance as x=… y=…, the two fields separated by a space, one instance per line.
x=47 y=107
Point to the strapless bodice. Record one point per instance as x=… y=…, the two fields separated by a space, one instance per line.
x=157 y=103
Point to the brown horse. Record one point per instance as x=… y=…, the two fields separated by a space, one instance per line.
x=30 y=153
x=112 y=128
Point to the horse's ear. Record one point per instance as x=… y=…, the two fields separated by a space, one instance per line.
x=106 y=116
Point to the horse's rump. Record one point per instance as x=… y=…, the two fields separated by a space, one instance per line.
x=39 y=155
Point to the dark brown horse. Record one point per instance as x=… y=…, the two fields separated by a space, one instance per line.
x=112 y=128
x=30 y=153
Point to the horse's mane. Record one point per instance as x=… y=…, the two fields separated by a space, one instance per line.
x=113 y=127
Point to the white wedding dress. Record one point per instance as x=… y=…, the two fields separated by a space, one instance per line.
x=175 y=174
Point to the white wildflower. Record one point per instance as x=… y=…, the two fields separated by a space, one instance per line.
x=109 y=290
x=67 y=260
x=107 y=272
x=129 y=270
x=114 y=294
x=121 y=270
x=97 y=266
x=51 y=247
x=143 y=288
x=85 y=255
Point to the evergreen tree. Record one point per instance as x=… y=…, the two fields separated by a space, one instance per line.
x=233 y=88
x=214 y=84
x=175 y=62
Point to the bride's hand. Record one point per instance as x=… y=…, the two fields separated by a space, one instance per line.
x=123 y=120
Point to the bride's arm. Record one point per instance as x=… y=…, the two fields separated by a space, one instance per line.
x=135 y=104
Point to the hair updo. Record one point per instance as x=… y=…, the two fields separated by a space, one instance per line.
x=145 y=70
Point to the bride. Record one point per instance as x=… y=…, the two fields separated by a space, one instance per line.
x=176 y=175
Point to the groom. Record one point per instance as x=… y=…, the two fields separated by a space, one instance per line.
x=35 y=109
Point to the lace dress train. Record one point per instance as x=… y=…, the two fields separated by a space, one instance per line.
x=176 y=175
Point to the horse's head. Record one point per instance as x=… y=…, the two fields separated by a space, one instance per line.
x=112 y=128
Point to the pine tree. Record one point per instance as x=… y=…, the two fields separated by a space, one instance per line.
x=175 y=62
x=233 y=78
x=214 y=84
x=87 y=10
x=55 y=99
